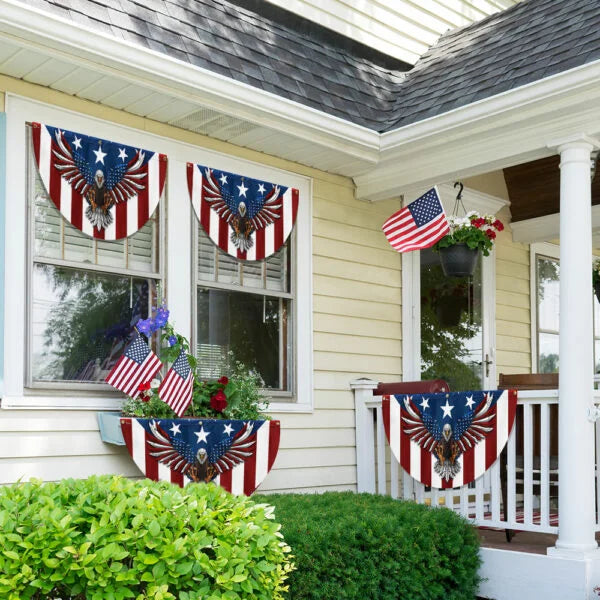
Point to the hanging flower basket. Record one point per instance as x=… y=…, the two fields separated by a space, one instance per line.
x=468 y=235
x=458 y=260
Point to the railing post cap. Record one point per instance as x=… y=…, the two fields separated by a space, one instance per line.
x=363 y=383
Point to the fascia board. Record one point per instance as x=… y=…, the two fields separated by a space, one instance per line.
x=96 y=50
x=508 y=129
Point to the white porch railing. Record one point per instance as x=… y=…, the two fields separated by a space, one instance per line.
x=519 y=492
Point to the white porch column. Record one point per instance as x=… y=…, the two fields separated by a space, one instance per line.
x=576 y=433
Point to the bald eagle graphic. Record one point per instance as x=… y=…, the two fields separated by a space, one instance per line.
x=445 y=443
x=245 y=216
x=180 y=456
x=101 y=186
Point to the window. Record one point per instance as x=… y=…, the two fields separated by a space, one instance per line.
x=547 y=296
x=85 y=294
x=244 y=313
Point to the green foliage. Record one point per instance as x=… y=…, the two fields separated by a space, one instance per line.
x=596 y=272
x=361 y=546
x=109 y=538
x=476 y=231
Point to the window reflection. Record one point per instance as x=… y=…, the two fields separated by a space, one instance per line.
x=451 y=325
x=250 y=326
x=82 y=321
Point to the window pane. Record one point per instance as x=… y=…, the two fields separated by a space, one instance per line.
x=548 y=352
x=253 y=328
x=548 y=293
x=451 y=325
x=82 y=321
x=56 y=238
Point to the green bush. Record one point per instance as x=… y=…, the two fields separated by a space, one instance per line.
x=109 y=538
x=366 y=547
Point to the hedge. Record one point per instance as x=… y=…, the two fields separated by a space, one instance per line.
x=109 y=538
x=360 y=546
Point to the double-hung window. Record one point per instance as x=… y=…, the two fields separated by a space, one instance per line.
x=85 y=295
x=245 y=312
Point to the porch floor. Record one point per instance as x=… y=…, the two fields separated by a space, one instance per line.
x=523 y=541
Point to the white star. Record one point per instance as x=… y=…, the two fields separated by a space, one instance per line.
x=228 y=429
x=425 y=403
x=99 y=155
x=223 y=178
x=176 y=428
x=122 y=154
x=202 y=435
x=77 y=143
x=447 y=410
x=261 y=188
x=243 y=189
x=470 y=401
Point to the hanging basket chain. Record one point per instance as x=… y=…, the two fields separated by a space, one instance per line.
x=459 y=202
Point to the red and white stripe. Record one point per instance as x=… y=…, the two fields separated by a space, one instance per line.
x=177 y=391
x=128 y=217
x=404 y=235
x=267 y=241
x=419 y=462
x=244 y=478
x=127 y=374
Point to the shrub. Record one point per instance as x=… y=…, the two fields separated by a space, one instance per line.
x=109 y=538
x=360 y=546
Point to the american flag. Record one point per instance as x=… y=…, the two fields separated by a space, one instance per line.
x=68 y=164
x=418 y=225
x=268 y=214
x=176 y=387
x=449 y=440
x=137 y=365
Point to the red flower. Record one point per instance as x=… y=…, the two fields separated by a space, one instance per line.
x=143 y=387
x=478 y=222
x=219 y=401
x=224 y=380
x=498 y=225
x=491 y=234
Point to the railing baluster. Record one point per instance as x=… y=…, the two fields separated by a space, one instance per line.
x=419 y=492
x=464 y=500
x=511 y=484
x=527 y=464
x=597 y=475
x=393 y=476
x=495 y=500
x=381 y=476
x=479 y=485
x=408 y=486
x=544 y=465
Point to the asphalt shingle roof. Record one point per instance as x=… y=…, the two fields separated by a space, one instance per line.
x=266 y=47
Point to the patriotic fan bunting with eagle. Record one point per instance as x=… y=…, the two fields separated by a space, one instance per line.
x=105 y=189
x=449 y=440
x=248 y=218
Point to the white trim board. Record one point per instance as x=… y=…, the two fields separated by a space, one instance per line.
x=19 y=112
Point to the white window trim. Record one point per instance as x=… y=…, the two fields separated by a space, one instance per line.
x=178 y=244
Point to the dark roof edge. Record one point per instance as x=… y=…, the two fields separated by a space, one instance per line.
x=319 y=33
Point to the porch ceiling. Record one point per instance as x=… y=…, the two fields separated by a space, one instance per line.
x=534 y=188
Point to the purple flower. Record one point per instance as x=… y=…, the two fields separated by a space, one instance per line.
x=172 y=340
x=144 y=326
x=162 y=317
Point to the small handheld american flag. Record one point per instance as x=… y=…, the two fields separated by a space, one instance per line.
x=176 y=387
x=137 y=365
x=418 y=225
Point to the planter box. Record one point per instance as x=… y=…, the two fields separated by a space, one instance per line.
x=237 y=455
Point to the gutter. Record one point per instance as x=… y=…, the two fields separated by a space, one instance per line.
x=89 y=48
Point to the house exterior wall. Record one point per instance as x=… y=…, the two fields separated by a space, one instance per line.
x=356 y=333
